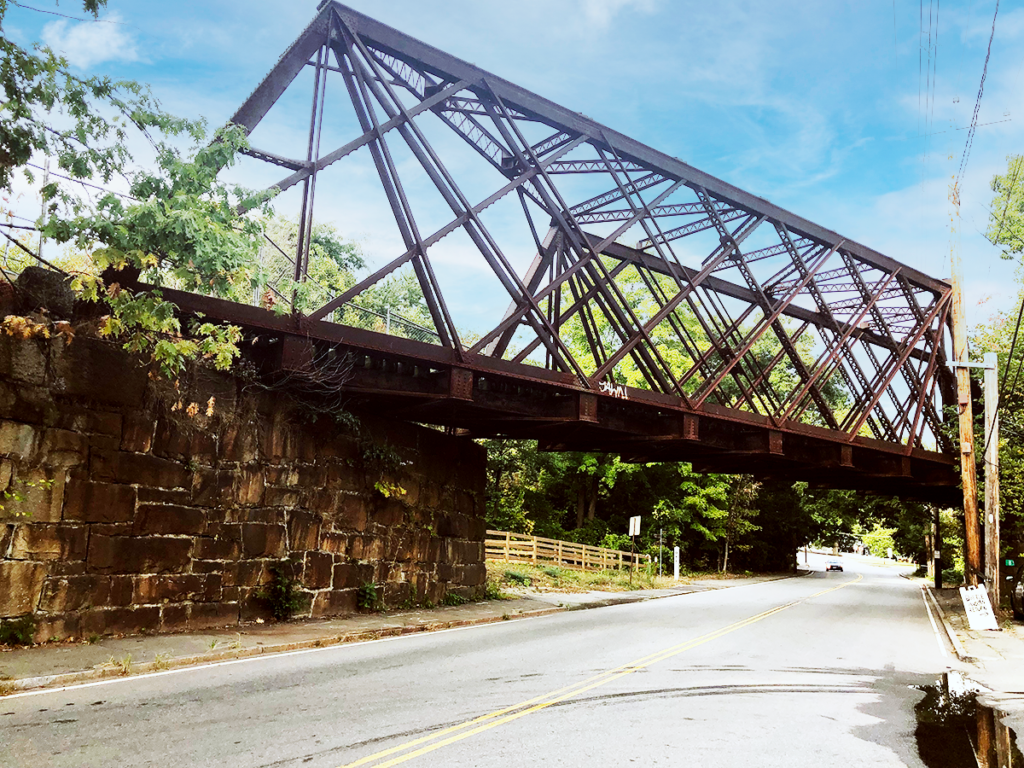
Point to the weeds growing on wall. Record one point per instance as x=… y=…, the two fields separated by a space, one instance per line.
x=368 y=598
x=281 y=594
x=17 y=631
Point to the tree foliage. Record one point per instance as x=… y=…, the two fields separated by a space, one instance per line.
x=176 y=222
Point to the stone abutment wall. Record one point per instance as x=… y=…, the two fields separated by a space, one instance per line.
x=123 y=513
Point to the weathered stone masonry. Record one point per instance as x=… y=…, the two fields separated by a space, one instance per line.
x=125 y=517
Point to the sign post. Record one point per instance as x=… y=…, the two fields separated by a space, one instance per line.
x=675 y=563
x=634 y=531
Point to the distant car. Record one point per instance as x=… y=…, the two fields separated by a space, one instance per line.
x=834 y=565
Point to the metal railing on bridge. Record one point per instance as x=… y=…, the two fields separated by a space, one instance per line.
x=506 y=547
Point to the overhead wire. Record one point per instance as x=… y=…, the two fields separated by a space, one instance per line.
x=977 y=105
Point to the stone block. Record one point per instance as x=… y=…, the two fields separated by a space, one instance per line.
x=169 y=518
x=250 y=573
x=249 y=485
x=121 y=590
x=23 y=360
x=73 y=593
x=252 y=606
x=139 y=469
x=445 y=572
x=321 y=501
x=219 y=548
x=88 y=421
x=138 y=554
x=38 y=494
x=397 y=592
x=275 y=496
x=49 y=541
x=174 y=588
x=389 y=513
x=99 y=502
x=333 y=542
x=92 y=369
x=137 y=432
x=259 y=540
x=19 y=441
x=211 y=615
x=171 y=440
x=21 y=584
x=335 y=602
x=317 y=570
x=238 y=443
x=351 y=514
x=63 y=448
x=213 y=488
x=173 y=618
x=55 y=628
x=202 y=448
x=120 y=621
x=473 y=575
x=283 y=475
x=303 y=531
x=352 y=575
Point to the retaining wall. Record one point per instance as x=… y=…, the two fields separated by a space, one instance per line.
x=123 y=513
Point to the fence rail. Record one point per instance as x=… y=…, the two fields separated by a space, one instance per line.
x=503 y=546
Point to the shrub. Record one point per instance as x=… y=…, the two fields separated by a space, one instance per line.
x=367 y=598
x=280 y=594
x=515 y=577
x=452 y=598
x=17 y=631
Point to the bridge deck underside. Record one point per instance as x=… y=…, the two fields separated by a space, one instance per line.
x=488 y=398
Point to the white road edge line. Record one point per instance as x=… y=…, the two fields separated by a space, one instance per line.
x=261 y=657
x=935 y=628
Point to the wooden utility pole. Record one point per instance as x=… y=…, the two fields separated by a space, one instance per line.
x=992 y=477
x=968 y=469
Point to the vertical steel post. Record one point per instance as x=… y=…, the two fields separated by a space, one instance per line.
x=967 y=459
x=992 y=477
x=937 y=544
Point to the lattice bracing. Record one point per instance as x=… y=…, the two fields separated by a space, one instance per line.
x=616 y=271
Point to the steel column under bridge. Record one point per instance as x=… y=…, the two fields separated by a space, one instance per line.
x=665 y=315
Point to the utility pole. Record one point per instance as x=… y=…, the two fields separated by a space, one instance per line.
x=992 y=477
x=937 y=544
x=968 y=469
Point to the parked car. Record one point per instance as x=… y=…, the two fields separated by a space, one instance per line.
x=834 y=565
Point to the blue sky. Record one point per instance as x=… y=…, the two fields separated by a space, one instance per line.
x=823 y=108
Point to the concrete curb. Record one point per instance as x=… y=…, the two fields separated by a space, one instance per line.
x=108 y=670
x=105 y=671
x=950 y=632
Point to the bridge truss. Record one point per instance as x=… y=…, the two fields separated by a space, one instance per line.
x=665 y=315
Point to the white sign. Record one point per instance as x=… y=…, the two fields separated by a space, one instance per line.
x=634 y=526
x=979 y=609
x=675 y=563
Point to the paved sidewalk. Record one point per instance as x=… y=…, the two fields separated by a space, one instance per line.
x=993 y=658
x=60 y=664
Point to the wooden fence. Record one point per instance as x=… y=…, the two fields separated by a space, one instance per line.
x=503 y=546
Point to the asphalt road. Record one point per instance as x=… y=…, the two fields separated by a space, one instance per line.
x=812 y=671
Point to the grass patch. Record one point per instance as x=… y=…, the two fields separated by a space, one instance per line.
x=551 y=578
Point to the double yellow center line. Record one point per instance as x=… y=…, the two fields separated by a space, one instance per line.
x=425 y=744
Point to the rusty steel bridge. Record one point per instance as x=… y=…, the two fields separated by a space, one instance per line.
x=665 y=314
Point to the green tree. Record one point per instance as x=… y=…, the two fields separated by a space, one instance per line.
x=178 y=225
x=1006 y=217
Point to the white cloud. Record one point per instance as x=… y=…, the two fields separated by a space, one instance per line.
x=601 y=12
x=91 y=42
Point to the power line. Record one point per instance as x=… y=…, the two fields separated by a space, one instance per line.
x=977 y=104
x=65 y=16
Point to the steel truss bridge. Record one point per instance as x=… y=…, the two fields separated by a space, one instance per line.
x=665 y=315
